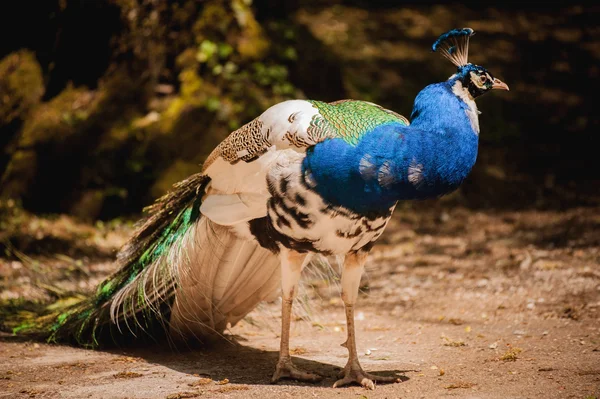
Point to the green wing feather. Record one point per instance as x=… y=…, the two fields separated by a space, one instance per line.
x=351 y=119
x=144 y=313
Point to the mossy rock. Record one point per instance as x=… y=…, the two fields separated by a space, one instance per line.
x=21 y=85
x=19 y=174
x=47 y=128
x=59 y=118
x=58 y=142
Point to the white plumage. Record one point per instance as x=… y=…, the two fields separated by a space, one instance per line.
x=225 y=279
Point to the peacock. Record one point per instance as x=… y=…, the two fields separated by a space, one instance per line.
x=304 y=178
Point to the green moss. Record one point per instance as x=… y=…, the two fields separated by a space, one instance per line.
x=53 y=122
x=252 y=43
x=59 y=118
x=21 y=85
x=191 y=85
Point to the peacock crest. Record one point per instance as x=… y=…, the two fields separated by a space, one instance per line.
x=454 y=45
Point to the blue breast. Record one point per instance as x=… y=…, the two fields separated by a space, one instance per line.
x=429 y=158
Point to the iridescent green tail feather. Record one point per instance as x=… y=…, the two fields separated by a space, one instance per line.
x=135 y=301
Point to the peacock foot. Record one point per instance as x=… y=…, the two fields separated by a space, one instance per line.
x=286 y=369
x=353 y=372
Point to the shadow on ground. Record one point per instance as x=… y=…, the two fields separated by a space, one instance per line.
x=226 y=360
x=242 y=364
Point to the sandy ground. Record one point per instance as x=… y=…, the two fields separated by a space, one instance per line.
x=456 y=303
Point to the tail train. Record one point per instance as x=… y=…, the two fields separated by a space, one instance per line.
x=180 y=276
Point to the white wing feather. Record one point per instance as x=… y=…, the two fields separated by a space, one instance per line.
x=238 y=190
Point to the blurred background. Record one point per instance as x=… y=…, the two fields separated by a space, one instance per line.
x=105 y=104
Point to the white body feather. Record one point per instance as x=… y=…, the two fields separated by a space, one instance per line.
x=285 y=127
x=221 y=279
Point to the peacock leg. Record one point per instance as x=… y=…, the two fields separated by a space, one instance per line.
x=291 y=265
x=353 y=372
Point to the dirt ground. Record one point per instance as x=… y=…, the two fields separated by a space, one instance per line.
x=456 y=303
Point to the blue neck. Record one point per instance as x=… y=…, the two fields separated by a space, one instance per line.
x=427 y=159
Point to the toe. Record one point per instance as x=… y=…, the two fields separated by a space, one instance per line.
x=304 y=376
x=367 y=383
x=288 y=370
x=381 y=378
x=276 y=376
x=365 y=379
x=341 y=382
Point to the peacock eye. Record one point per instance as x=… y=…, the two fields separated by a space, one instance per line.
x=483 y=79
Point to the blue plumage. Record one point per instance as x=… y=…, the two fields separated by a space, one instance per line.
x=440 y=146
x=427 y=159
x=454 y=45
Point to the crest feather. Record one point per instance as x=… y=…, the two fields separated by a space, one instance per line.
x=454 y=45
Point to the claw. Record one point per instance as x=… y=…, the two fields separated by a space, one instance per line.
x=286 y=369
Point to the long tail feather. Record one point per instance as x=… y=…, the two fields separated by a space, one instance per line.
x=136 y=300
x=231 y=277
x=180 y=276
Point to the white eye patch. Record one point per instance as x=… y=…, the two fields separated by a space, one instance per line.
x=476 y=79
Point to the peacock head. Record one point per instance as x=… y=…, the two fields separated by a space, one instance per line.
x=454 y=45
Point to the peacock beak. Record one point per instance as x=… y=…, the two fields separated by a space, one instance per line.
x=498 y=84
